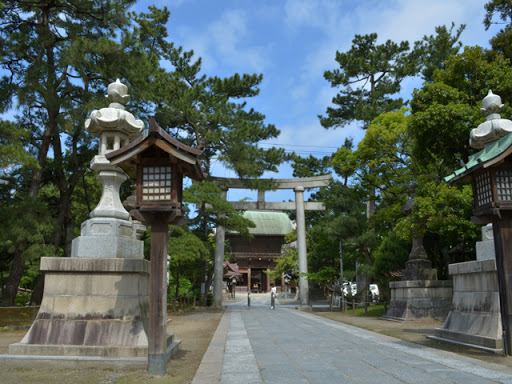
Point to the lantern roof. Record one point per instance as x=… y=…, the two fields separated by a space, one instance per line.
x=127 y=157
x=491 y=155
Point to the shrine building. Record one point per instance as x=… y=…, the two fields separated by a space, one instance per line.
x=256 y=255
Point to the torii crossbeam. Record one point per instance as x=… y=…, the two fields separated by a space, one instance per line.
x=298 y=185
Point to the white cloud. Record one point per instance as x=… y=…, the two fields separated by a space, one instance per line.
x=411 y=20
x=397 y=20
x=225 y=45
x=228 y=31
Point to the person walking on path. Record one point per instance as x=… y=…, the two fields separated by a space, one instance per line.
x=273 y=292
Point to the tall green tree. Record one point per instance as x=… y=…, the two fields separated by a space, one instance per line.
x=213 y=115
x=384 y=163
x=187 y=253
x=25 y=237
x=432 y=51
x=499 y=12
x=445 y=111
x=52 y=81
x=39 y=40
x=377 y=70
x=60 y=56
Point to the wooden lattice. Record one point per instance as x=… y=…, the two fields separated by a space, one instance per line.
x=483 y=189
x=156 y=184
x=504 y=184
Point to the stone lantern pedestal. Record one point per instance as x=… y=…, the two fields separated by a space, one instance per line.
x=419 y=294
x=475 y=318
x=90 y=307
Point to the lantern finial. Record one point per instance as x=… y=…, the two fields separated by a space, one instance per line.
x=494 y=128
x=117 y=95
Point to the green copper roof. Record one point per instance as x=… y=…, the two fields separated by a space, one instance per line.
x=269 y=223
x=486 y=157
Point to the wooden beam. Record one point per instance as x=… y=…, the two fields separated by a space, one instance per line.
x=276 y=206
x=306 y=182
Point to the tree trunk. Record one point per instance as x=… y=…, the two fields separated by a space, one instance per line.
x=11 y=287
x=52 y=102
x=64 y=232
x=178 y=279
x=37 y=293
x=37 y=174
x=209 y=280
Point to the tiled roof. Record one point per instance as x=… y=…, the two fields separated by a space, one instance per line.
x=269 y=223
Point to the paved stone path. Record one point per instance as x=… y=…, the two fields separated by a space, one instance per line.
x=260 y=345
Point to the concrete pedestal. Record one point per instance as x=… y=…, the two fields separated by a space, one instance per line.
x=416 y=299
x=92 y=307
x=475 y=317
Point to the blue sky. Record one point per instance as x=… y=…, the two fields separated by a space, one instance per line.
x=292 y=43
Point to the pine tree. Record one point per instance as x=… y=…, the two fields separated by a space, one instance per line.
x=502 y=42
x=377 y=70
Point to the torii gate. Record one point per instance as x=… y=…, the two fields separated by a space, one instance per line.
x=298 y=185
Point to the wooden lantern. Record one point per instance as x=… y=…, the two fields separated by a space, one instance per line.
x=158 y=163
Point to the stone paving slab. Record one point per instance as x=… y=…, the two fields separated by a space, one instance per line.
x=260 y=345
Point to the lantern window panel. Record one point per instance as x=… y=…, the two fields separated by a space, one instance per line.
x=483 y=189
x=156 y=183
x=504 y=184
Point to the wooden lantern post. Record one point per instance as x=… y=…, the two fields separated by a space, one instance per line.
x=158 y=163
x=490 y=172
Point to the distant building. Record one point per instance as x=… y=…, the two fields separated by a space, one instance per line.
x=256 y=256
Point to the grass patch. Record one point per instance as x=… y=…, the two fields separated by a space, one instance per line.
x=17 y=316
x=374 y=310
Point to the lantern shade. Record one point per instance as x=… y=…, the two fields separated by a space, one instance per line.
x=158 y=163
x=490 y=172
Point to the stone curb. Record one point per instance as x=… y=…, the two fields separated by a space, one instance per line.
x=210 y=369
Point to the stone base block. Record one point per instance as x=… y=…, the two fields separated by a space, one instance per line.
x=419 y=269
x=485 y=250
x=417 y=299
x=475 y=317
x=112 y=351
x=91 y=307
x=103 y=237
x=469 y=340
x=107 y=247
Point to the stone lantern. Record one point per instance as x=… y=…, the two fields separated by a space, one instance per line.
x=109 y=233
x=490 y=173
x=158 y=163
x=95 y=303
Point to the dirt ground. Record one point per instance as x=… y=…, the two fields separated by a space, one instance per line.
x=195 y=329
x=416 y=332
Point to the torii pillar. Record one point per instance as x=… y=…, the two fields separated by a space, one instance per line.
x=299 y=186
